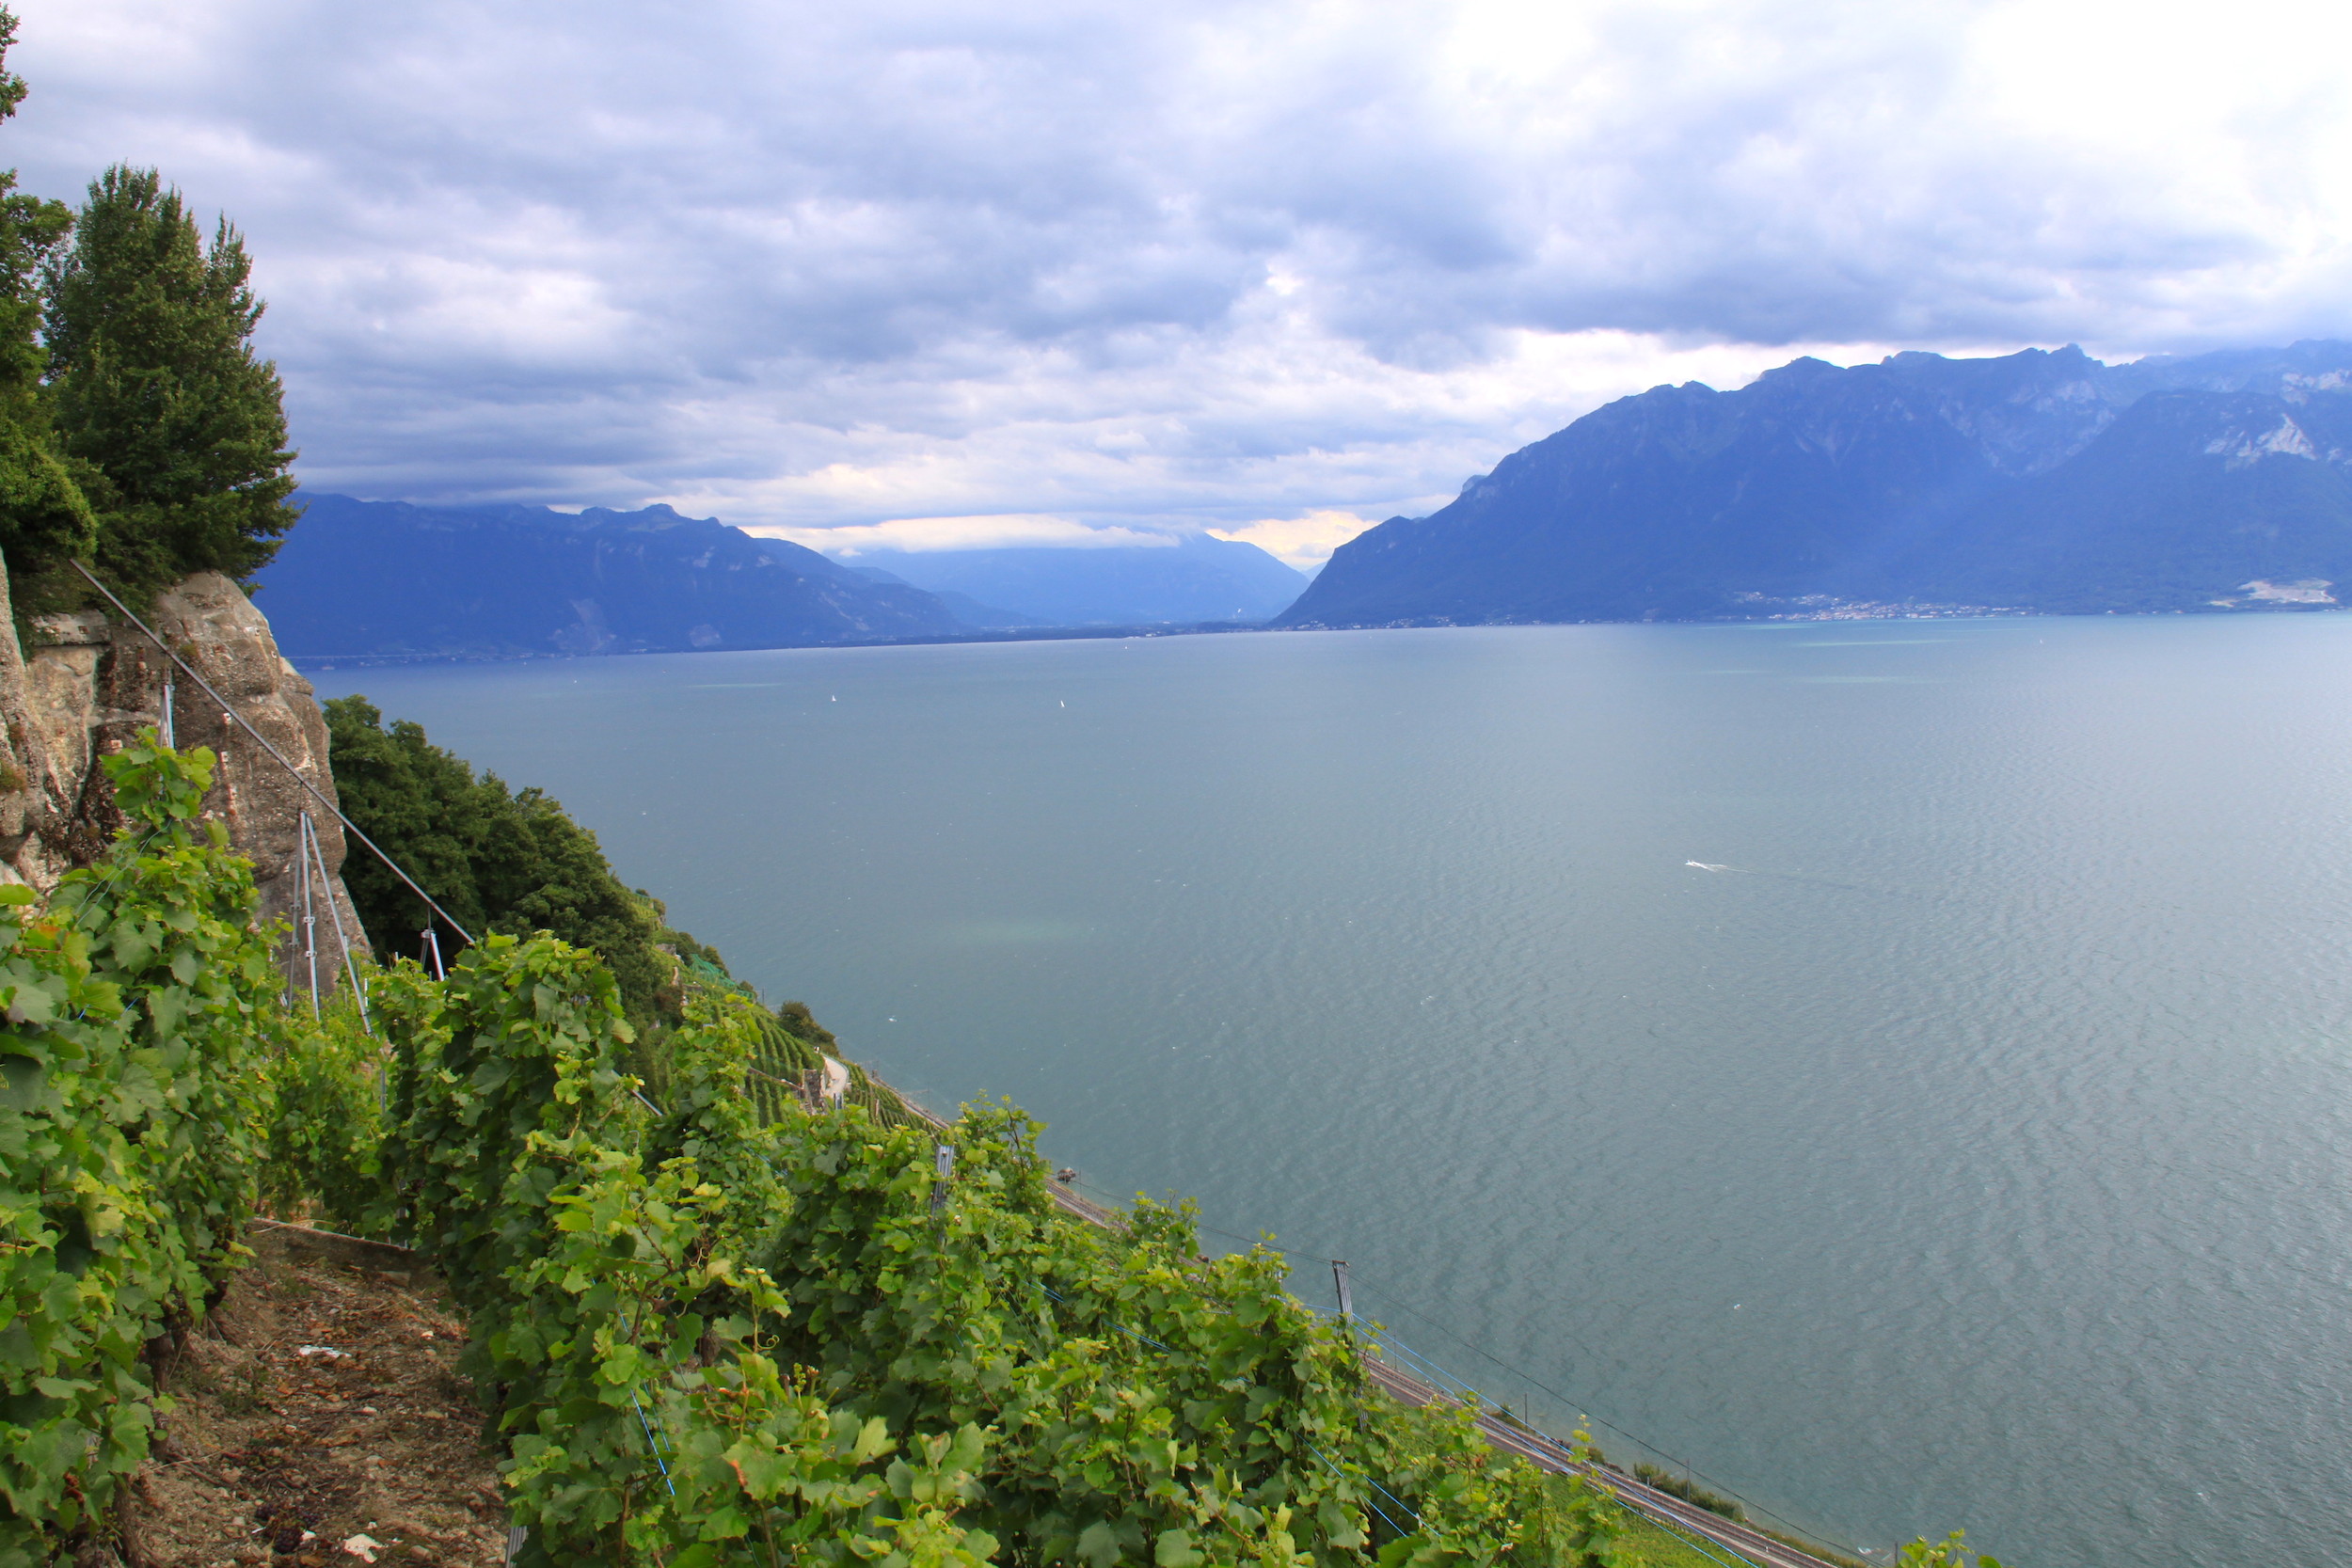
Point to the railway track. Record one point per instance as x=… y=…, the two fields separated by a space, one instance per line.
x=1546 y=1454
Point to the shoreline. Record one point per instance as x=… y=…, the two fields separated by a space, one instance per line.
x=1857 y=611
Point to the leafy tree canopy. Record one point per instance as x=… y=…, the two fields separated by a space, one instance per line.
x=43 y=514
x=173 y=427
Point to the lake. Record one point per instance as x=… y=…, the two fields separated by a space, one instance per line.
x=1898 y=1069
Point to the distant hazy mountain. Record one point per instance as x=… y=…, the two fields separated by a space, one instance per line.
x=2041 y=480
x=381 y=577
x=1197 y=578
x=964 y=606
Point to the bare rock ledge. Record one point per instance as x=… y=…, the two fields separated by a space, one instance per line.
x=76 y=687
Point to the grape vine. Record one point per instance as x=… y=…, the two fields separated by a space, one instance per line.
x=731 y=1328
x=718 y=1327
x=135 y=1012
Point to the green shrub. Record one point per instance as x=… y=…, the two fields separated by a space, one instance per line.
x=706 y=1327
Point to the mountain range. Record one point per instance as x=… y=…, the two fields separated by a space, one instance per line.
x=2040 y=481
x=374 y=578
x=358 y=579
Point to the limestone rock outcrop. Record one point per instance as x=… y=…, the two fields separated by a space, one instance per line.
x=75 y=688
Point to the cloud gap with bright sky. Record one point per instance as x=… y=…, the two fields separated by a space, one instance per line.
x=1274 y=270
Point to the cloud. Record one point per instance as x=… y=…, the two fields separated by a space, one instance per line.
x=922 y=535
x=1174 y=266
x=1305 y=542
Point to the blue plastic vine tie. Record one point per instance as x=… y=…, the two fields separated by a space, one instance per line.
x=655 y=1442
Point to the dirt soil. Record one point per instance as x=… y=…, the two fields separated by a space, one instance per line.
x=320 y=1420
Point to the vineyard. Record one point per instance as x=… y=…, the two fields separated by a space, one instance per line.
x=728 y=1322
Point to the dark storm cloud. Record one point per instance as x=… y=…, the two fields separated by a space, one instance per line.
x=815 y=262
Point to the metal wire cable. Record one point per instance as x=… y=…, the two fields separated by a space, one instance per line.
x=1690 y=1537
x=1382 y=1490
x=230 y=713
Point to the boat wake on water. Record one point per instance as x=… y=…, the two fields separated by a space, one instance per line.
x=1804 y=880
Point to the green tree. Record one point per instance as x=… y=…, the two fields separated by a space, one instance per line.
x=423 y=806
x=43 y=515
x=173 y=427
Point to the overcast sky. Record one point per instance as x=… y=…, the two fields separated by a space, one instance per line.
x=1165 y=265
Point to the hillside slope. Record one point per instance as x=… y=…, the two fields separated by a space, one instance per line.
x=385 y=578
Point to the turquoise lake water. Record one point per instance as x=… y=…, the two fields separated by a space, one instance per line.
x=1964 y=1139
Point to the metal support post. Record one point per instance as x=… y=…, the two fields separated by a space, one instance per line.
x=342 y=939
x=943 y=1160
x=310 y=917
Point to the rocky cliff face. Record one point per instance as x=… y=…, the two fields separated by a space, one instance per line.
x=75 y=688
